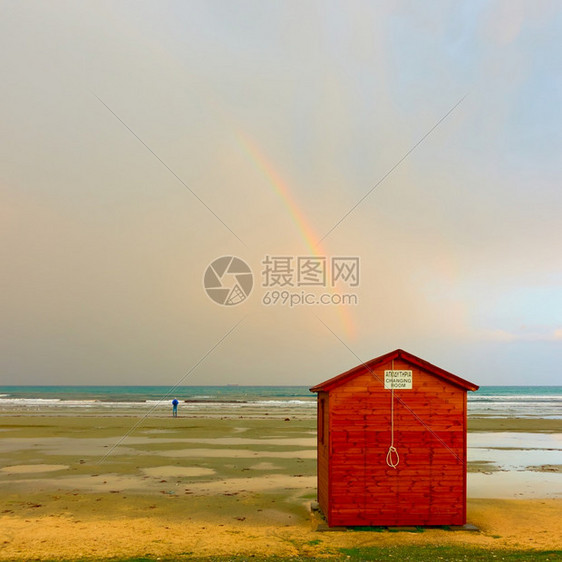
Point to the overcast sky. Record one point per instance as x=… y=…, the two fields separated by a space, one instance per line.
x=142 y=140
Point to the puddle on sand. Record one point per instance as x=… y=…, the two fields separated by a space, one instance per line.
x=264 y=466
x=238 y=453
x=77 y=446
x=109 y=483
x=516 y=459
x=516 y=484
x=297 y=442
x=177 y=471
x=255 y=484
x=514 y=440
x=514 y=451
x=33 y=468
x=158 y=431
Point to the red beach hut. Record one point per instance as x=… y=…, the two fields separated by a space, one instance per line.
x=392 y=444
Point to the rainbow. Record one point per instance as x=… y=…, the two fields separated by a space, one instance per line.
x=259 y=160
x=257 y=157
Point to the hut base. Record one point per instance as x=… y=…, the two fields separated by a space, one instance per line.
x=321 y=525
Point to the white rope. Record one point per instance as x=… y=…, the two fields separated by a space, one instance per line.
x=392 y=457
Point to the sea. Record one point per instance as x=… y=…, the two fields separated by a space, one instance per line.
x=543 y=402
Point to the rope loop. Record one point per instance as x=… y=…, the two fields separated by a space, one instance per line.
x=390 y=461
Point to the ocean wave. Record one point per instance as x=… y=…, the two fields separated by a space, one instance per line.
x=31 y=400
x=518 y=399
x=44 y=402
x=285 y=402
x=164 y=403
x=57 y=402
x=497 y=403
x=198 y=401
x=545 y=409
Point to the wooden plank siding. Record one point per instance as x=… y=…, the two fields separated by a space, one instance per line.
x=355 y=484
x=323 y=460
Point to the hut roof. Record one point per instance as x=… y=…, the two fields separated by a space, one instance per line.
x=334 y=382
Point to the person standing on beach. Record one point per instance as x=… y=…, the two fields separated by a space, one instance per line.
x=175 y=408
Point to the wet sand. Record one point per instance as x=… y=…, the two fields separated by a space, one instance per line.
x=91 y=485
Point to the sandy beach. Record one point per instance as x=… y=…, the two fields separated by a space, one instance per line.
x=94 y=485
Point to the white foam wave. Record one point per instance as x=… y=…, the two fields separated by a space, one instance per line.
x=44 y=402
x=285 y=402
x=516 y=399
x=163 y=403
